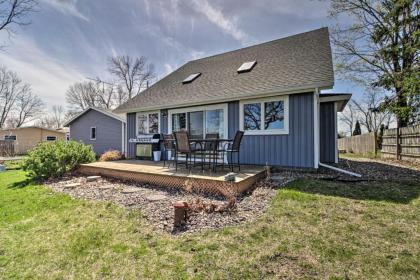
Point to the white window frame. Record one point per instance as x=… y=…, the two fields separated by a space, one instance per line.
x=46 y=138
x=262 y=131
x=147 y=113
x=90 y=133
x=223 y=106
x=4 y=138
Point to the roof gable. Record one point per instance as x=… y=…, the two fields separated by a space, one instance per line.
x=102 y=111
x=297 y=62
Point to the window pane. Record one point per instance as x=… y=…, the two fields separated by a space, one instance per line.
x=252 y=116
x=154 y=123
x=141 y=124
x=215 y=122
x=274 y=115
x=179 y=122
x=196 y=125
x=10 y=137
x=51 y=138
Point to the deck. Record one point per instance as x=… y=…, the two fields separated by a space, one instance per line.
x=154 y=173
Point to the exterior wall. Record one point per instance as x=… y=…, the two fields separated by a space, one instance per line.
x=131 y=133
x=27 y=138
x=108 y=131
x=295 y=149
x=327 y=132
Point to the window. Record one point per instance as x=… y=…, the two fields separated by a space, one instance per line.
x=247 y=66
x=51 y=138
x=10 y=137
x=265 y=116
x=93 y=133
x=148 y=123
x=191 y=78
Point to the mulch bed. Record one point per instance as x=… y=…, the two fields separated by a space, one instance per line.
x=156 y=203
x=211 y=212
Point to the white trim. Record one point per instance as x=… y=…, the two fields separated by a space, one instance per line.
x=109 y=114
x=90 y=133
x=222 y=106
x=285 y=130
x=316 y=128
x=335 y=134
x=262 y=94
x=147 y=113
x=341 y=97
x=122 y=139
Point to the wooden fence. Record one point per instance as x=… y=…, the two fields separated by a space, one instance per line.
x=359 y=144
x=7 y=148
x=409 y=146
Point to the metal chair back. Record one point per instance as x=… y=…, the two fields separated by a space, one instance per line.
x=168 y=142
x=237 y=140
x=210 y=146
x=182 y=142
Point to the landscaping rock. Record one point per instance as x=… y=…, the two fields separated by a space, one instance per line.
x=72 y=185
x=92 y=178
x=156 y=197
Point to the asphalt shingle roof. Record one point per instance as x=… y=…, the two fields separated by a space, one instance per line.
x=297 y=62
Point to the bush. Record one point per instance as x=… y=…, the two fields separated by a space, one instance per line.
x=54 y=159
x=111 y=155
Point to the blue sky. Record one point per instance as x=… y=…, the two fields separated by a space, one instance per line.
x=70 y=40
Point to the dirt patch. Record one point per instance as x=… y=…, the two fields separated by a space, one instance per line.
x=156 y=203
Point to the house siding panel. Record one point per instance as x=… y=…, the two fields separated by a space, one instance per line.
x=108 y=131
x=327 y=132
x=295 y=149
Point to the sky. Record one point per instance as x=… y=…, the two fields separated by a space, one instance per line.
x=70 y=40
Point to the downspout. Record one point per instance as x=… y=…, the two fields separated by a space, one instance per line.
x=316 y=128
x=340 y=170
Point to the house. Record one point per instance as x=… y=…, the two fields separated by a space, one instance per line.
x=25 y=138
x=100 y=128
x=271 y=91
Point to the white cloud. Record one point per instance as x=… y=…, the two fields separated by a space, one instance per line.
x=49 y=77
x=168 y=68
x=216 y=16
x=67 y=7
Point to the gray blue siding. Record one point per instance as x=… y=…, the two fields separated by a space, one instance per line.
x=108 y=131
x=295 y=149
x=327 y=132
x=131 y=133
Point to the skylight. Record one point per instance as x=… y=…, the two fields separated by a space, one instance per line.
x=247 y=66
x=191 y=78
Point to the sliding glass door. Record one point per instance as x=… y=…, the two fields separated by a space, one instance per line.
x=199 y=121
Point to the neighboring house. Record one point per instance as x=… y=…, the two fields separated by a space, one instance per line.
x=25 y=138
x=100 y=128
x=271 y=91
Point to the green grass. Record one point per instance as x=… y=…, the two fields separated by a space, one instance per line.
x=313 y=229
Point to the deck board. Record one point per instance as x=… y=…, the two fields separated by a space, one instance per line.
x=154 y=172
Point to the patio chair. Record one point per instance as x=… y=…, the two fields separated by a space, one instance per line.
x=233 y=148
x=169 y=149
x=210 y=149
x=183 y=146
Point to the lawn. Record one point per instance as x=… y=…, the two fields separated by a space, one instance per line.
x=314 y=229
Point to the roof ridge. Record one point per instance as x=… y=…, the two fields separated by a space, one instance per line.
x=260 y=44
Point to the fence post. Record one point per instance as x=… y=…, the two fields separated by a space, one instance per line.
x=375 y=136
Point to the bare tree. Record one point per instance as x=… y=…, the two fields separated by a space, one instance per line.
x=348 y=117
x=28 y=107
x=90 y=94
x=58 y=115
x=132 y=73
x=11 y=89
x=369 y=115
x=15 y=12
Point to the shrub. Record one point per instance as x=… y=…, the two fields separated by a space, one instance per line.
x=53 y=159
x=111 y=155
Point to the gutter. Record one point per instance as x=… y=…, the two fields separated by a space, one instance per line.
x=340 y=170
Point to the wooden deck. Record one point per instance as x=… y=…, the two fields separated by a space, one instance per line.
x=154 y=173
